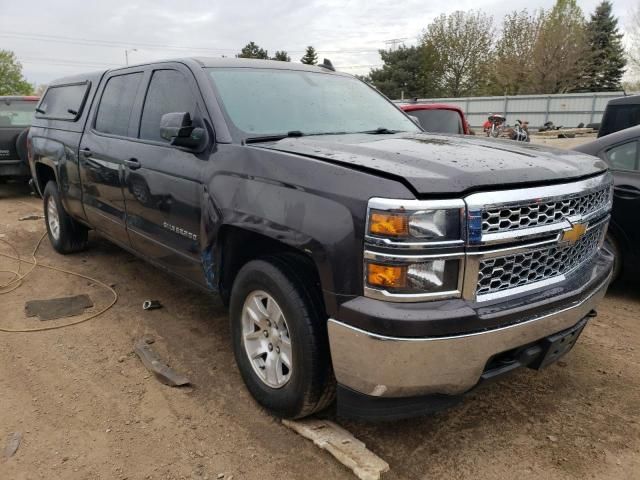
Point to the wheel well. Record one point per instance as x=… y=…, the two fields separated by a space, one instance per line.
x=44 y=173
x=239 y=246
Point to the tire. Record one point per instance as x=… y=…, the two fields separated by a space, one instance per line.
x=65 y=234
x=308 y=385
x=21 y=146
x=611 y=245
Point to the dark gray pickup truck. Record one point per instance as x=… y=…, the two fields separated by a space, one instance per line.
x=361 y=258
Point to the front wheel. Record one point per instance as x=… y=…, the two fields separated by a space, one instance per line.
x=65 y=234
x=280 y=337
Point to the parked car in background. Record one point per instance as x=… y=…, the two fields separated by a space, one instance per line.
x=621 y=151
x=621 y=113
x=16 y=114
x=439 y=117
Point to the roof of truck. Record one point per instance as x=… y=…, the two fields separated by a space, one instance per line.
x=204 y=62
x=628 y=100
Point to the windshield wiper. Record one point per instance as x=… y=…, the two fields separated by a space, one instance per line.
x=381 y=131
x=274 y=138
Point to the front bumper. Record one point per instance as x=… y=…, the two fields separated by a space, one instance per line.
x=389 y=367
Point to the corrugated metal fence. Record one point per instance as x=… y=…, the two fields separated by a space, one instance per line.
x=567 y=109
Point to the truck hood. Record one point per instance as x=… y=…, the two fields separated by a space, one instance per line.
x=444 y=164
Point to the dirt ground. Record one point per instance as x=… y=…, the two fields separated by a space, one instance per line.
x=563 y=142
x=88 y=409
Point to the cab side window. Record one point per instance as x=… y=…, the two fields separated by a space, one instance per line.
x=116 y=105
x=624 y=157
x=168 y=92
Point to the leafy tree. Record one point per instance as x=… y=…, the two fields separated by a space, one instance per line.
x=513 y=62
x=402 y=74
x=460 y=45
x=310 y=57
x=281 y=56
x=606 y=61
x=559 y=53
x=11 y=80
x=251 y=50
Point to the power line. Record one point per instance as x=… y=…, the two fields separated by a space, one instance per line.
x=147 y=45
x=394 y=42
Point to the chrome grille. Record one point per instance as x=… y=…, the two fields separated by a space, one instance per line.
x=507 y=218
x=511 y=271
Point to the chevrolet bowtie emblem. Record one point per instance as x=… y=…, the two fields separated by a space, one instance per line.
x=575 y=233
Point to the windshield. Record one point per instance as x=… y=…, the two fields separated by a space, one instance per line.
x=440 y=121
x=16 y=113
x=275 y=102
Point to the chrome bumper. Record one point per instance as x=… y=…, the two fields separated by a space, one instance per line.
x=402 y=367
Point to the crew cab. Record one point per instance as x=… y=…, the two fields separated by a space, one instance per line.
x=16 y=113
x=360 y=257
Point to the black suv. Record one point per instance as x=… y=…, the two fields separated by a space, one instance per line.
x=16 y=114
x=357 y=254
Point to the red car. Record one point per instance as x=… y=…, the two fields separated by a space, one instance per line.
x=439 y=117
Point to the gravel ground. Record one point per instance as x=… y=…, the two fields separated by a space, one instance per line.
x=88 y=409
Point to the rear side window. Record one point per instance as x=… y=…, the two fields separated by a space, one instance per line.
x=116 y=105
x=624 y=157
x=168 y=92
x=64 y=102
x=16 y=113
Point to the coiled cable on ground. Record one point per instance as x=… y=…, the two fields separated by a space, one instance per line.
x=16 y=281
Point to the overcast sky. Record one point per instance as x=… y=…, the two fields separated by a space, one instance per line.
x=62 y=37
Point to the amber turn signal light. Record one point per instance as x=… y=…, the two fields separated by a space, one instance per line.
x=386 y=275
x=389 y=225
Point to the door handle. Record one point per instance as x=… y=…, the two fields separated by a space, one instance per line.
x=627 y=191
x=86 y=152
x=132 y=163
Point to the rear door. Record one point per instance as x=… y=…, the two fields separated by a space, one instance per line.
x=163 y=188
x=105 y=148
x=624 y=160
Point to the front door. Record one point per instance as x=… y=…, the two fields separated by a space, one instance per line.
x=105 y=148
x=163 y=189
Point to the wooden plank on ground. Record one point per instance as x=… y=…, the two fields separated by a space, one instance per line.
x=347 y=449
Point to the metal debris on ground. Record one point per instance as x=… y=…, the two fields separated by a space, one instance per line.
x=31 y=217
x=155 y=365
x=151 y=304
x=349 y=451
x=13 y=442
x=58 y=307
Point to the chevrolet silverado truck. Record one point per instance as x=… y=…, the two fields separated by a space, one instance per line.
x=361 y=258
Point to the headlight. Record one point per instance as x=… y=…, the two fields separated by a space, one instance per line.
x=410 y=221
x=416 y=249
x=434 y=276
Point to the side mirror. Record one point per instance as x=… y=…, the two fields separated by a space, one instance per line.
x=178 y=129
x=416 y=120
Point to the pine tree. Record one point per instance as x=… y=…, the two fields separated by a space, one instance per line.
x=251 y=50
x=281 y=56
x=310 y=56
x=606 y=62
